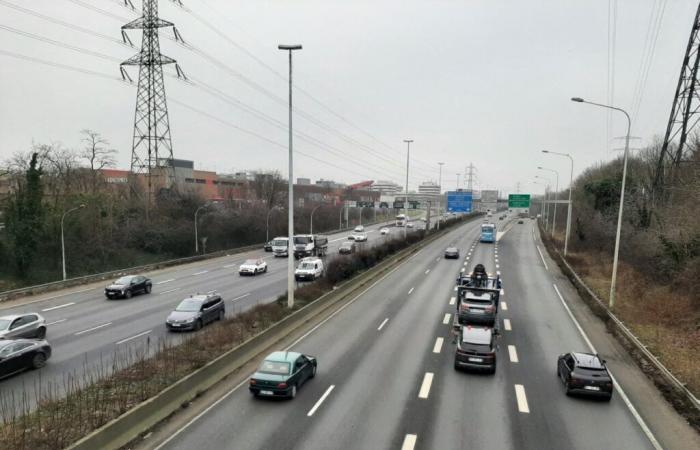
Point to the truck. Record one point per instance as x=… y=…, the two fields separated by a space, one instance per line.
x=401 y=220
x=310 y=245
x=280 y=246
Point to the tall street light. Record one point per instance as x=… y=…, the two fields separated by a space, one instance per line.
x=440 y=196
x=622 y=193
x=311 y=226
x=405 y=204
x=546 y=200
x=571 y=205
x=290 y=225
x=196 y=237
x=556 y=197
x=543 y=194
x=63 y=242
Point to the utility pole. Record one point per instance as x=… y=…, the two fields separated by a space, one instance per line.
x=439 y=208
x=405 y=203
x=458 y=175
x=469 y=173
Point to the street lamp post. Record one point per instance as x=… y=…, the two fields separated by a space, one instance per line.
x=311 y=226
x=547 y=207
x=405 y=203
x=542 y=201
x=556 y=197
x=196 y=238
x=340 y=221
x=63 y=242
x=571 y=205
x=613 y=280
x=290 y=225
x=440 y=196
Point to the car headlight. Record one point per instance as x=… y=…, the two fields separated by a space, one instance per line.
x=190 y=320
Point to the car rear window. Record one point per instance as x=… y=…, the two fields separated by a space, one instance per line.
x=274 y=368
x=590 y=362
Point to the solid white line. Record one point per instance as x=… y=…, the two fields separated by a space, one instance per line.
x=506 y=324
x=427 y=271
x=382 y=324
x=504 y=306
x=166 y=281
x=438 y=345
x=410 y=290
x=446 y=319
x=58 y=307
x=56 y=321
x=513 y=354
x=199 y=273
x=453 y=300
x=169 y=291
x=425 y=386
x=240 y=297
x=619 y=389
x=409 y=442
x=522 y=398
x=320 y=400
x=541 y=256
x=133 y=337
x=93 y=328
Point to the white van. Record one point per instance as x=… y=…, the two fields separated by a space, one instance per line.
x=309 y=269
x=280 y=246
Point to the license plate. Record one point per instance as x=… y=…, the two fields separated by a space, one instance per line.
x=476 y=360
x=476 y=311
x=592 y=388
x=174 y=324
x=266 y=393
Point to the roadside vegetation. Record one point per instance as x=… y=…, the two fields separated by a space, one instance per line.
x=658 y=284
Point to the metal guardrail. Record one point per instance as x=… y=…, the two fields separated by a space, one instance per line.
x=663 y=370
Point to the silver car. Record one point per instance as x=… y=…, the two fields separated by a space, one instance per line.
x=30 y=325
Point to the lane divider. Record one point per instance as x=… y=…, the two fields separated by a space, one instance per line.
x=93 y=328
x=133 y=337
x=382 y=324
x=438 y=345
x=200 y=273
x=425 y=386
x=521 y=398
x=240 y=297
x=504 y=306
x=410 y=290
x=542 y=256
x=409 y=442
x=320 y=400
x=166 y=281
x=169 y=291
x=506 y=325
x=453 y=300
x=446 y=319
x=58 y=307
x=513 y=354
x=56 y=321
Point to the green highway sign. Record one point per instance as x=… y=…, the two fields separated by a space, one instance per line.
x=519 y=201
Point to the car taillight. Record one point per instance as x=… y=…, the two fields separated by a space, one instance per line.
x=489 y=309
x=282 y=386
x=252 y=381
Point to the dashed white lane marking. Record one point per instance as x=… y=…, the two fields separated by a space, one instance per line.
x=169 y=291
x=461 y=270
x=541 y=256
x=409 y=442
x=133 y=337
x=56 y=321
x=427 y=271
x=618 y=387
x=425 y=386
x=410 y=290
x=58 y=307
x=512 y=354
x=455 y=288
x=504 y=306
x=240 y=297
x=438 y=345
x=166 y=281
x=93 y=328
x=446 y=319
x=465 y=263
x=382 y=324
x=497 y=266
x=522 y=398
x=320 y=400
x=437 y=259
x=503 y=292
x=506 y=324
x=228 y=266
x=200 y=273
x=453 y=300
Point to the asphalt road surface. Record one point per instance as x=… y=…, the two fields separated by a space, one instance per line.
x=386 y=378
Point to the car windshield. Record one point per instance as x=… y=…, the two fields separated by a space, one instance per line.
x=123 y=280
x=250 y=261
x=4 y=324
x=280 y=242
x=487 y=228
x=301 y=239
x=306 y=266
x=189 y=305
x=274 y=367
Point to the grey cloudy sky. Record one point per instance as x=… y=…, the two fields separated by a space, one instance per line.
x=486 y=82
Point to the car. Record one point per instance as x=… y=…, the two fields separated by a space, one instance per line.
x=29 y=325
x=477 y=308
x=585 y=373
x=347 y=248
x=126 y=287
x=17 y=355
x=520 y=221
x=359 y=229
x=451 y=253
x=196 y=311
x=409 y=225
x=252 y=267
x=360 y=237
x=384 y=231
x=267 y=246
x=309 y=269
x=281 y=374
x=351 y=237
x=476 y=348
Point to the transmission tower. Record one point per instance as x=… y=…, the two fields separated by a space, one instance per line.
x=469 y=172
x=685 y=112
x=152 y=151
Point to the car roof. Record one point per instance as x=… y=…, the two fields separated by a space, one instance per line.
x=12 y=316
x=283 y=356
x=477 y=296
x=588 y=360
x=451 y=248
x=476 y=335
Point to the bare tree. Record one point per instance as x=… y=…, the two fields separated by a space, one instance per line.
x=269 y=187
x=97 y=153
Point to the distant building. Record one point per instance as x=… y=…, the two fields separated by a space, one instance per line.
x=428 y=188
x=386 y=187
x=329 y=184
x=304 y=181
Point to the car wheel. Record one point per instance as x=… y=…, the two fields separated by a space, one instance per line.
x=568 y=388
x=222 y=313
x=313 y=372
x=293 y=394
x=39 y=361
x=148 y=288
x=127 y=294
x=198 y=325
x=41 y=333
x=265 y=269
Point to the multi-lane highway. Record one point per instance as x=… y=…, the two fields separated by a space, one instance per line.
x=386 y=378
x=85 y=328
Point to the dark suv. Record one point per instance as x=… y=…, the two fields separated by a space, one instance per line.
x=196 y=311
x=476 y=348
x=585 y=373
x=477 y=307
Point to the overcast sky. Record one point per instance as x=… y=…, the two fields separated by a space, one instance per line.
x=486 y=82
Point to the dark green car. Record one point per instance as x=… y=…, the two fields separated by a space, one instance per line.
x=281 y=374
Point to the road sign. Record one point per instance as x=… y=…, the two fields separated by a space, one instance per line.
x=519 y=201
x=459 y=201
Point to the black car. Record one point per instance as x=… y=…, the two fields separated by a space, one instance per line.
x=196 y=311
x=452 y=253
x=268 y=246
x=476 y=348
x=126 y=287
x=585 y=373
x=20 y=354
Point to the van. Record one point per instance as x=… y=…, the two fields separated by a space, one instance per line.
x=309 y=269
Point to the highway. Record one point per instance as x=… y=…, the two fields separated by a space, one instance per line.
x=85 y=328
x=386 y=378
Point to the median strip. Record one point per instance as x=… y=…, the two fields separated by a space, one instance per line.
x=320 y=400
